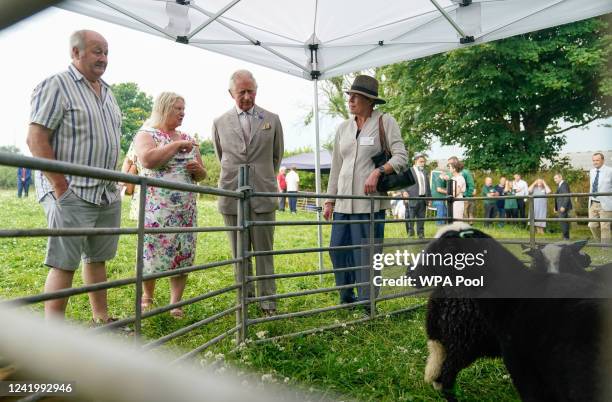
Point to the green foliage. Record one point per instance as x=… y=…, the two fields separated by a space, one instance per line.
x=297 y=151
x=308 y=181
x=135 y=108
x=8 y=177
x=334 y=98
x=504 y=101
x=8 y=174
x=11 y=149
x=207 y=147
x=213 y=170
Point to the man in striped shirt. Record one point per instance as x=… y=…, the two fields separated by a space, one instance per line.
x=75 y=118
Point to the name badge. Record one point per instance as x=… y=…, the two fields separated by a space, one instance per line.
x=366 y=140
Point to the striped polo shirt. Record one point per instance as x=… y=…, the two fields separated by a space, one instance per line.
x=86 y=130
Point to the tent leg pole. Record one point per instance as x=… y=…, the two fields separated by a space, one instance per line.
x=318 y=172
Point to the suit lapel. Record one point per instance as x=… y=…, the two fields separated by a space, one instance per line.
x=232 y=117
x=256 y=121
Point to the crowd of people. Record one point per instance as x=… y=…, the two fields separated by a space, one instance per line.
x=496 y=205
x=75 y=118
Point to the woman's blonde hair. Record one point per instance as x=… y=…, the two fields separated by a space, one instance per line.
x=162 y=107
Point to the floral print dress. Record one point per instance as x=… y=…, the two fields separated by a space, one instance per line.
x=169 y=208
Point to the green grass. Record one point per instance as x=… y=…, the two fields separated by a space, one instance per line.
x=381 y=360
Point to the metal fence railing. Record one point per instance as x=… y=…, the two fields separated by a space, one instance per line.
x=242 y=301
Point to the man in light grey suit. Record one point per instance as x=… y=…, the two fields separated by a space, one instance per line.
x=249 y=135
x=600 y=206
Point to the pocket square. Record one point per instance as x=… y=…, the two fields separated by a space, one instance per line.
x=266 y=126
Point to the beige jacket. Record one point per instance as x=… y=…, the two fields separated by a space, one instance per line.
x=263 y=155
x=352 y=161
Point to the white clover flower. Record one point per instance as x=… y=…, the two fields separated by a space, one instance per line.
x=286 y=380
x=219 y=356
x=343 y=325
x=388 y=316
x=266 y=377
x=345 y=332
x=505 y=376
x=261 y=334
x=360 y=370
x=208 y=354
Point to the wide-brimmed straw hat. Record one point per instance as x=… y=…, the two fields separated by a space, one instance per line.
x=366 y=86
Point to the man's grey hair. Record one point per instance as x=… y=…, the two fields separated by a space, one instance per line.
x=240 y=74
x=77 y=39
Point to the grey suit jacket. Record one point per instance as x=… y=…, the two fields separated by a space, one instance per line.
x=263 y=155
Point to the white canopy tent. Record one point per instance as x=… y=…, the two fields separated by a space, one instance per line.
x=324 y=38
x=318 y=39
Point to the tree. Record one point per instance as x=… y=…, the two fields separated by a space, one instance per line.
x=505 y=101
x=207 y=147
x=135 y=109
x=335 y=100
x=11 y=149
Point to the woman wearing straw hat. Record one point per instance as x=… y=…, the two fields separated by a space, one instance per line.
x=353 y=172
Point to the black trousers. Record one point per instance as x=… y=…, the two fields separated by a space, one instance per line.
x=416 y=209
x=521 y=210
x=565 y=226
x=490 y=212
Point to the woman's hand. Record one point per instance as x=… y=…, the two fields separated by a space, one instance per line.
x=183 y=146
x=371 y=182
x=196 y=170
x=328 y=209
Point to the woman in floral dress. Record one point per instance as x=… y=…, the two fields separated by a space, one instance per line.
x=163 y=152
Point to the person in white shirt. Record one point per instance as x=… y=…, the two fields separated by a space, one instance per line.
x=293 y=181
x=600 y=206
x=520 y=188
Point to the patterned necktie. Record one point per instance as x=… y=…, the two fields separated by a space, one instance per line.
x=595 y=183
x=245 y=122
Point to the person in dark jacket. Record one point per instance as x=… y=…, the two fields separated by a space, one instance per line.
x=416 y=208
x=501 y=211
x=563 y=204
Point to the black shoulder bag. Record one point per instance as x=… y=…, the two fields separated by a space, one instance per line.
x=392 y=181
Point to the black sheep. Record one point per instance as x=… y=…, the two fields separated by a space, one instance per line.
x=457 y=335
x=546 y=330
x=560 y=257
x=568 y=258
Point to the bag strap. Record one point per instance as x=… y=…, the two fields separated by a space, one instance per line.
x=383 y=136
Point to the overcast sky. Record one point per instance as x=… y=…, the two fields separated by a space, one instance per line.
x=38 y=47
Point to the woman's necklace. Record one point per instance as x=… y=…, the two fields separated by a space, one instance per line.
x=171 y=136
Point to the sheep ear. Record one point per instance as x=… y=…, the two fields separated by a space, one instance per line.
x=578 y=245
